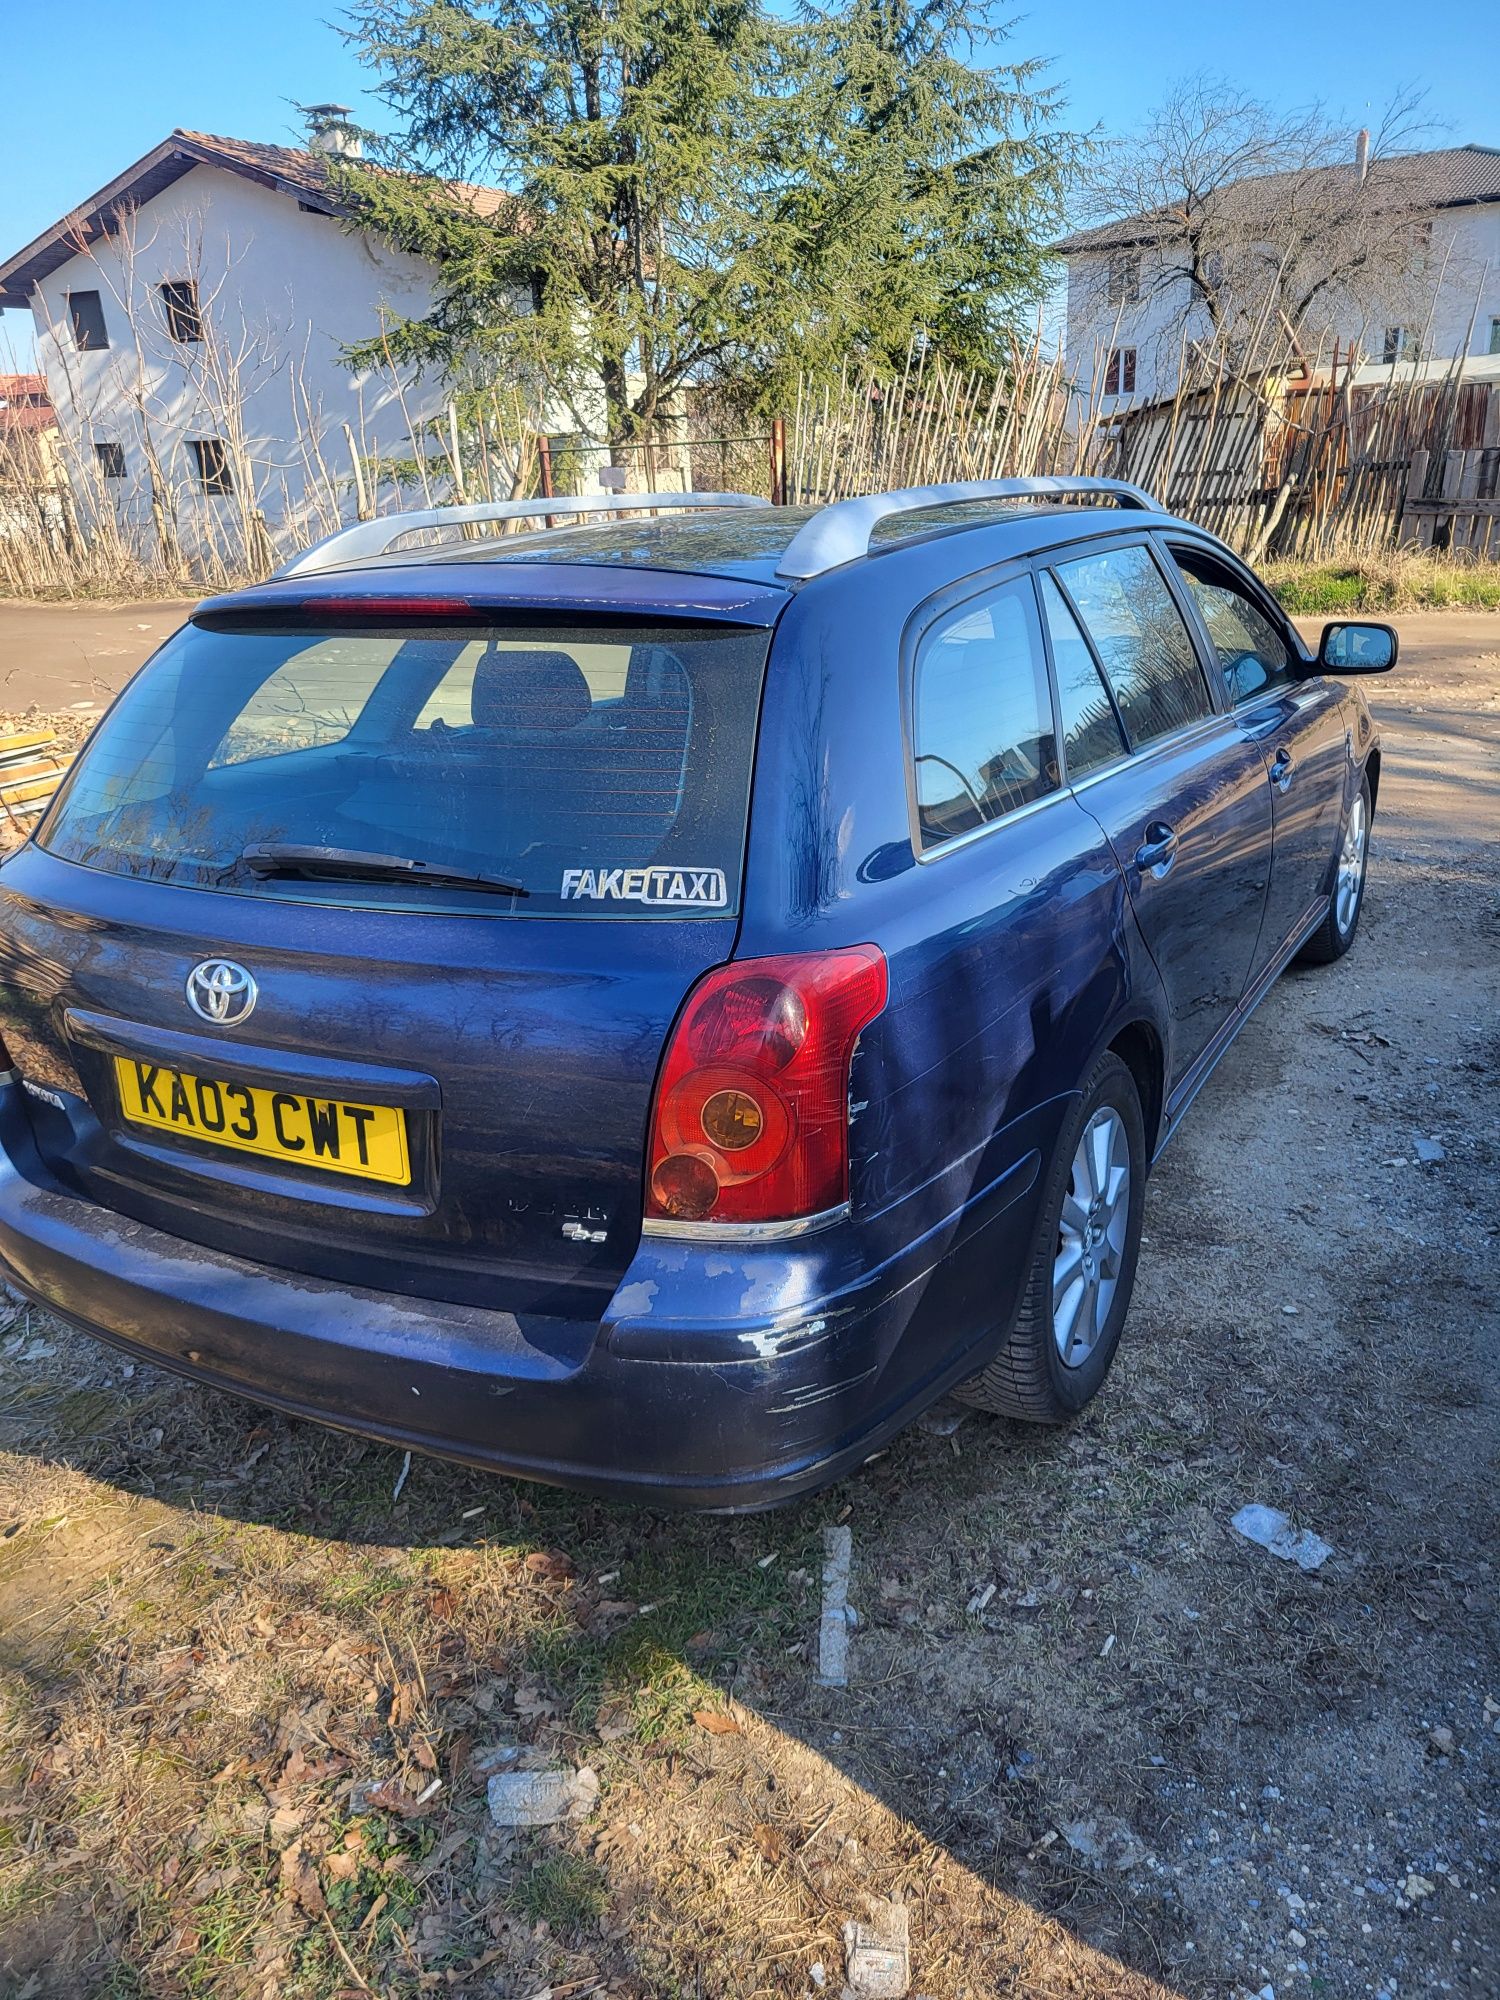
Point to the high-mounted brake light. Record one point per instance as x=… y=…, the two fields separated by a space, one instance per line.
x=387 y=607
x=751 y=1118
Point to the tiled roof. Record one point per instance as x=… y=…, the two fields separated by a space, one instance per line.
x=288 y=169
x=309 y=171
x=1455 y=177
x=24 y=404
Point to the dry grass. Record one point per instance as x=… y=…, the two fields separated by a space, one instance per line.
x=232 y=1665
x=1392 y=581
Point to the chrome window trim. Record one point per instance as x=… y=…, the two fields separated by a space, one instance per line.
x=973 y=833
x=744 y=1232
x=1204 y=725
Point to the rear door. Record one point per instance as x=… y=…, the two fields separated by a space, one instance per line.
x=426 y=1083
x=1176 y=785
x=1298 y=724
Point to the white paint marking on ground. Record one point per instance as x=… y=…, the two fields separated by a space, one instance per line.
x=833 y=1627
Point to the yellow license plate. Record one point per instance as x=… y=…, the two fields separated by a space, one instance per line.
x=364 y=1139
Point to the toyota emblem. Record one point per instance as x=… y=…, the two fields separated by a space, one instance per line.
x=220 y=991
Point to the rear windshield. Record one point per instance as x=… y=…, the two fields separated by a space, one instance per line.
x=605 y=770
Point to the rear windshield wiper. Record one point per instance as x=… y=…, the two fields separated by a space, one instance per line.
x=349 y=864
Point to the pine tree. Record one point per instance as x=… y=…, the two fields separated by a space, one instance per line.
x=693 y=191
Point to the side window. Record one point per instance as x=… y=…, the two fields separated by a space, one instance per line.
x=1091 y=730
x=1139 y=635
x=1252 y=653
x=982 y=730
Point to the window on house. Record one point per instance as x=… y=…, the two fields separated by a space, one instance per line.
x=1400 y=344
x=1495 y=336
x=179 y=301
x=1119 y=376
x=211 y=458
x=86 y=312
x=111 y=460
x=1124 y=278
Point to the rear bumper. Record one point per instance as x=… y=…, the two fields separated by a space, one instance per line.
x=740 y=1412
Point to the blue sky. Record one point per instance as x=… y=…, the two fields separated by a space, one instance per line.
x=102 y=83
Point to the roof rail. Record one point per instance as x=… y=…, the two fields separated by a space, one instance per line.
x=842 y=532
x=375 y=538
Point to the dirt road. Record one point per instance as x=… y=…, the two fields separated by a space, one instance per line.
x=1098 y=1743
x=60 y=656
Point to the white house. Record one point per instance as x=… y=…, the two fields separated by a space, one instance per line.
x=190 y=319
x=1432 y=219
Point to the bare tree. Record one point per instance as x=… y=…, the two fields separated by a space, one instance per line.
x=1255 y=226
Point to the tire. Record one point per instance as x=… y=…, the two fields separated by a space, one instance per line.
x=1333 y=938
x=1029 y=1377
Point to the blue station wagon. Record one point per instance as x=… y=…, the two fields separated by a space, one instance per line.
x=653 y=1005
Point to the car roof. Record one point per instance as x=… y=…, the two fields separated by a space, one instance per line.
x=719 y=564
x=746 y=542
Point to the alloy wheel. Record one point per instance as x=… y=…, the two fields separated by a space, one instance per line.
x=1351 y=867
x=1091 y=1237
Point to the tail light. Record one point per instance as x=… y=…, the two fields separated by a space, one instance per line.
x=751 y=1119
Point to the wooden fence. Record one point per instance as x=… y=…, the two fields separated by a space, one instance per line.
x=1451 y=500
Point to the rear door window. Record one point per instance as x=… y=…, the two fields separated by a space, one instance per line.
x=1091 y=730
x=605 y=771
x=1141 y=639
x=982 y=731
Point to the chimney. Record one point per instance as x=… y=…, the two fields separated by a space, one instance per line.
x=329 y=130
x=1362 y=151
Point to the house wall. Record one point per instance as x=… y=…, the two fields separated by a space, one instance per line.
x=1464 y=263
x=282 y=291
x=1155 y=325
x=1471 y=238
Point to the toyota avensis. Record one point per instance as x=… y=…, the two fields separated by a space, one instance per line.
x=652 y=1005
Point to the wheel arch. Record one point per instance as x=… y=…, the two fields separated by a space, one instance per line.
x=1372 y=772
x=1139 y=1047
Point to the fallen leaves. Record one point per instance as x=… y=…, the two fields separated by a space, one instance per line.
x=717 y=1721
x=391 y=1796
x=299 y=1880
x=300 y=1769
x=550 y=1565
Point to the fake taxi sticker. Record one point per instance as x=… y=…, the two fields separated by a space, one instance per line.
x=655 y=888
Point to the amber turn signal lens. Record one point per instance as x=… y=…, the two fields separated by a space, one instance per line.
x=685 y=1186
x=732 y=1120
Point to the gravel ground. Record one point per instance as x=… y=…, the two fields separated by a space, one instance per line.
x=1098 y=1742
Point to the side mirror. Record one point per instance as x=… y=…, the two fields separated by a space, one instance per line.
x=1357 y=649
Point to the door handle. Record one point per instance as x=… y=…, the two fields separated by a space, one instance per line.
x=1158 y=850
x=1282 y=766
